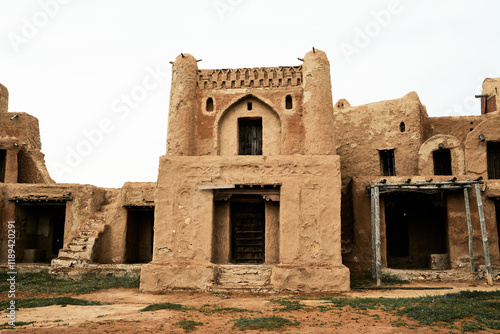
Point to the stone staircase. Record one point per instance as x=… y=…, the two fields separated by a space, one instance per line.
x=254 y=278
x=79 y=253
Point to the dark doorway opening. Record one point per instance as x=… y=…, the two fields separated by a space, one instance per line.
x=247 y=229
x=416 y=227
x=493 y=157
x=140 y=232
x=42 y=231
x=3 y=155
x=442 y=162
x=387 y=163
x=250 y=136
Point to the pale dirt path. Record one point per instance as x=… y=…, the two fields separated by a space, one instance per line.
x=124 y=315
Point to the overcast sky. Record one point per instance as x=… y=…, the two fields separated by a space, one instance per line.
x=96 y=73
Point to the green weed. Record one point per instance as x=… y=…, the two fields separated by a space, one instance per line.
x=44 y=282
x=267 y=323
x=189 y=325
x=166 y=306
x=18 y=324
x=483 y=307
x=288 y=304
x=42 y=302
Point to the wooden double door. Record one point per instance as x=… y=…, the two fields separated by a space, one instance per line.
x=248 y=231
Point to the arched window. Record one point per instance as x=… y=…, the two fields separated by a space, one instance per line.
x=288 y=102
x=210 y=104
x=402 y=127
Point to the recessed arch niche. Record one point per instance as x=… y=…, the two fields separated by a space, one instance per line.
x=228 y=133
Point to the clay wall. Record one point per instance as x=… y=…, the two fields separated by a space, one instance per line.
x=183 y=208
x=31 y=167
x=436 y=143
x=85 y=200
x=24 y=127
x=475 y=148
x=138 y=193
x=112 y=244
x=458 y=127
x=308 y=234
x=364 y=130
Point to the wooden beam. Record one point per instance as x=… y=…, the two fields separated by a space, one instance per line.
x=469 y=229
x=215 y=186
x=484 y=234
x=425 y=183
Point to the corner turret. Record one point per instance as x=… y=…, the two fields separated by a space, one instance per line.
x=183 y=106
x=318 y=104
x=4 y=99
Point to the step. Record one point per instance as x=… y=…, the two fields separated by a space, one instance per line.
x=79 y=255
x=67 y=262
x=77 y=247
x=251 y=275
x=81 y=241
x=89 y=233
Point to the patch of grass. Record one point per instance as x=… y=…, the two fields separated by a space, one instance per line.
x=399 y=323
x=42 y=302
x=18 y=323
x=189 y=325
x=368 y=280
x=267 y=323
x=483 y=307
x=208 y=310
x=289 y=304
x=44 y=282
x=166 y=306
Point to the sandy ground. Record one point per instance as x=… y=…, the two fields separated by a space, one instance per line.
x=123 y=315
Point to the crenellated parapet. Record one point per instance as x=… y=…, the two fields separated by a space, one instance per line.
x=263 y=77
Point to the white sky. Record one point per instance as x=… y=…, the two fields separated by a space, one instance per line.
x=71 y=63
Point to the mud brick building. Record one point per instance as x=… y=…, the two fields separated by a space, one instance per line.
x=268 y=185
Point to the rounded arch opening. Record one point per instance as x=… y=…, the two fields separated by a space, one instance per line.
x=232 y=122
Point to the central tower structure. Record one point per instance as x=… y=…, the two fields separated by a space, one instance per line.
x=249 y=191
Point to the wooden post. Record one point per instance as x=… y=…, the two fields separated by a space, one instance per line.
x=484 y=235
x=376 y=252
x=469 y=229
x=374 y=245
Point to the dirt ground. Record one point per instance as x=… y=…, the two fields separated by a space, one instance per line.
x=123 y=315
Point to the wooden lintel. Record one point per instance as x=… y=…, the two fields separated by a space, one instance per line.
x=448 y=185
x=212 y=186
x=391 y=188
